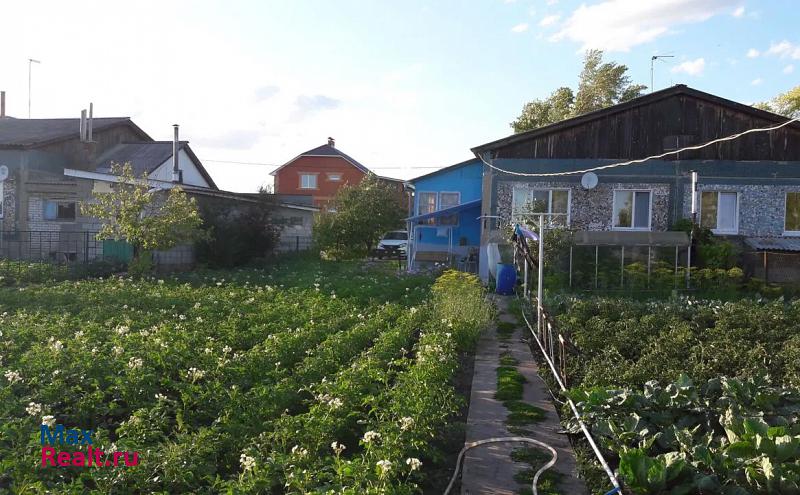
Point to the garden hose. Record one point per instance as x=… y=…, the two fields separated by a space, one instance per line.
x=471 y=445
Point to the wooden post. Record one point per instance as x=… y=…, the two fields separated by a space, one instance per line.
x=766 y=267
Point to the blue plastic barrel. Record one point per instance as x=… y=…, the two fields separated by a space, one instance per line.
x=506 y=279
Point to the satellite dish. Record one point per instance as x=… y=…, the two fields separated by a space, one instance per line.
x=589 y=180
x=3 y=172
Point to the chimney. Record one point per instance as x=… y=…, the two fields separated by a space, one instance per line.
x=177 y=176
x=83 y=126
x=2 y=104
x=331 y=142
x=89 y=123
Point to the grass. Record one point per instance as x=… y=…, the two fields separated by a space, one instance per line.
x=535 y=458
x=509 y=383
x=505 y=329
x=522 y=413
x=507 y=359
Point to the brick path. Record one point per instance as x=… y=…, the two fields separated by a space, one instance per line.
x=489 y=469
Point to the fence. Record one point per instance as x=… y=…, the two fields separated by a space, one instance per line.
x=37 y=256
x=294 y=243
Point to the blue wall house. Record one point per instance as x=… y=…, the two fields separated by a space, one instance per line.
x=444 y=225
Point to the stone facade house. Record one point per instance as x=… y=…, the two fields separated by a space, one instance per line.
x=747 y=188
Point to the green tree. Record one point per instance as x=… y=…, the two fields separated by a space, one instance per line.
x=238 y=232
x=357 y=218
x=787 y=103
x=146 y=217
x=601 y=85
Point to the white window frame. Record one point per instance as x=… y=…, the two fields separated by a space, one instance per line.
x=736 y=216
x=633 y=210
x=419 y=205
x=335 y=177
x=439 y=207
x=530 y=190
x=788 y=233
x=309 y=174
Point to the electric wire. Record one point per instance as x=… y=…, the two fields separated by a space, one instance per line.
x=638 y=160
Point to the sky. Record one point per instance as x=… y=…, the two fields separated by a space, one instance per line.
x=404 y=87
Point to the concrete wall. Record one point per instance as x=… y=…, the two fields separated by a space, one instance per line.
x=294 y=237
x=9 y=194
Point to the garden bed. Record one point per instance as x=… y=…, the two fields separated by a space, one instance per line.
x=306 y=376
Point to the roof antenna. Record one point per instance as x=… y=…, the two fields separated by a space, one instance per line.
x=653 y=59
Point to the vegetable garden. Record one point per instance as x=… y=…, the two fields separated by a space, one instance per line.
x=686 y=396
x=308 y=377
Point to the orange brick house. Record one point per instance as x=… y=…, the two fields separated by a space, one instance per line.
x=320 y=172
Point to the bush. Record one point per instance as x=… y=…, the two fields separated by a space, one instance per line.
x=238 y=233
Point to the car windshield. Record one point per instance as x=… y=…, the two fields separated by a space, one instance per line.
x=396 y=236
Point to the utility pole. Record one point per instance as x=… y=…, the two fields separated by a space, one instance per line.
x=30 y=62
x=652 y=60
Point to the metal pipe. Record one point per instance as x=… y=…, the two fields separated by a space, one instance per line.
x=176 y=170
x=89 y=123
x=540 y=282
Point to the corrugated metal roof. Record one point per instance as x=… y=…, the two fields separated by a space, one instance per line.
x=774 y=243
x=31 y=132
x=446 y=211
x=630 y=238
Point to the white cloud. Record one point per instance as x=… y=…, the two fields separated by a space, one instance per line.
x=520 y=28
x=756 y=81
x=619 y=25
x=784 y=49
x=739 y=12
x=753 y=53
x=552 y=2
x=692 y=67
x=788 y=69
x=549 y=20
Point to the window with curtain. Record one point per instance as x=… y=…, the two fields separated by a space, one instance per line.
x=631 y=210
x=449 y=200
x=308 y=181
x=426 y=203
x=792 y=222
x=526 y=203
x=719 y=211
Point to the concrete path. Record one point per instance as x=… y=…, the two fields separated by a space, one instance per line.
x=489 y=469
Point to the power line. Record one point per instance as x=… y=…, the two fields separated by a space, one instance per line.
x=639 y=160
x=262 y=164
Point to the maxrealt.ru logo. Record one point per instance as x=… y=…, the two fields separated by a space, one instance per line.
x=78 y=438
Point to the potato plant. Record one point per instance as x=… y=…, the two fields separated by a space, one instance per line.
x=305 y=377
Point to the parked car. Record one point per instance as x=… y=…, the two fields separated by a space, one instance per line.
x=391 y=243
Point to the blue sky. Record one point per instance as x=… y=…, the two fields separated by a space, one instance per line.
x=403 y=86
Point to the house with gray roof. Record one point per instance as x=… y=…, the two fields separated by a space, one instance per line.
x=49 y=166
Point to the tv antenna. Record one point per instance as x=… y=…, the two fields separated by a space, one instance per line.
x=652 y=60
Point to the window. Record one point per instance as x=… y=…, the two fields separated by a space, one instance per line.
x=449 y=200
x=59 y=210
x=295 y=221
x=792 y=222
x=426 y=204
x=334 y=177
x=526 y=203
x=631 y=210
x=308 y=181
x=719 y=211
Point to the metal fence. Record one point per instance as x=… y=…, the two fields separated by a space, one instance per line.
x=38 y=256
